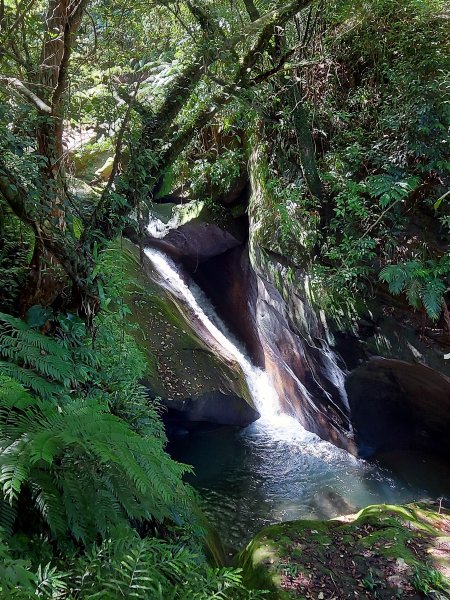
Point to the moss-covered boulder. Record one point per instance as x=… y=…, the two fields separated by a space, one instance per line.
x=384 y=552
x=193 y=381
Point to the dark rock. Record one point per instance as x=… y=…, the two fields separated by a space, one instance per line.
x=205 y=235
x=399 y=405
x=197 y=241
x=327 y=503
x=212 y=407
x=398 y=335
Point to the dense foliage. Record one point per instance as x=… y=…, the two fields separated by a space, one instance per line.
x=336 y=112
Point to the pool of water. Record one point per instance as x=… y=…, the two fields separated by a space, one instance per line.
x=253 y=477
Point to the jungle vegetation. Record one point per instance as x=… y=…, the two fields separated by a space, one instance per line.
x=348 y=105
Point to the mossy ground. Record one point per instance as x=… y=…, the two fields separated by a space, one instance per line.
x=384 y=552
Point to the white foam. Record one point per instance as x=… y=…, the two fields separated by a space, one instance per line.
x=158 y=229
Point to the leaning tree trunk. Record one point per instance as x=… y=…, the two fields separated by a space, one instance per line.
x=306 y=147
x=52 y=79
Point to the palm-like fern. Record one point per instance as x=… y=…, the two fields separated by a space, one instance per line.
x=423 y=283
x=154 y=569
x=88 y=471
x=37 y=361
x=128 y=567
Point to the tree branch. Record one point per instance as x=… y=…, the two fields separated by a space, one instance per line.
x=158 y=132
x=251 y=9
x=58 y=244
x=117 y=155
x=70 y=29
x=282 y=61
x=22 y=90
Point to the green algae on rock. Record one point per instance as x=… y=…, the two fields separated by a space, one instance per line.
x=383 y=552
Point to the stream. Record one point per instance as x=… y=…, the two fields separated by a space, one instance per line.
x=274 y=470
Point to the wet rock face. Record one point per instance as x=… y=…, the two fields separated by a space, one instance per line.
x=391 y=405
x=182 y=370
x=191 y=243
x=197 y=241
x=307 y=378
x=212 y=407
x=398 y=405
x=301 y=368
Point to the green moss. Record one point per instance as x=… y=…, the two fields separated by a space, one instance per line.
x=394 y=544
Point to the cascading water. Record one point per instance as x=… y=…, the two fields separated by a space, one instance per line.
x=261 y=389
x=158 y=229
x=273 y=470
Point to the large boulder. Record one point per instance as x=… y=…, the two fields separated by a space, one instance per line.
x=212 y=407
x=197 y=241
x=398 y=405
x=191 y=379
x=191 y=233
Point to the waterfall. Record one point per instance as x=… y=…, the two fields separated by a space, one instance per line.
x=285 y=472
x=262 y=391
x=158 y=229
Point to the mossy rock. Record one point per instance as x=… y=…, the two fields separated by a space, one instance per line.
x=180 y=365
x=384 y=552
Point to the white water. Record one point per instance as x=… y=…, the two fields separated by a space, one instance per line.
x=158 y=229
x=263 y=393
x=273 y=421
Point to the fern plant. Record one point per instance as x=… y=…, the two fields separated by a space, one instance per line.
x=390 y=190
x=86 y=469
x=154 y=569
x=424 y=283
x=17 y=581
x=16 y=249
x=37 y=361
x=126 y=567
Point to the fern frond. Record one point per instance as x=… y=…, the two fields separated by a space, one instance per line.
x=432 y=297
x=88 y=470
x=37 y=361
x=395 y=276
x=45 y=389
x=18 y=329
x=414 y=292
x=8 y=514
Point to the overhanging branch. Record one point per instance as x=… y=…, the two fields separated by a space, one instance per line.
x=21 y=89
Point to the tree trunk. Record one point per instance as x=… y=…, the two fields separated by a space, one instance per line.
x=50 y=129
x=307 y=151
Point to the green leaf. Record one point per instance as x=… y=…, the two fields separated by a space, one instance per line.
x=432 y=298
x=38 y=315
x=439 y=201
